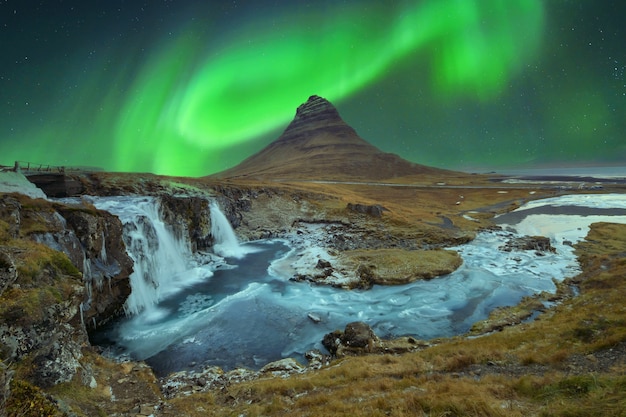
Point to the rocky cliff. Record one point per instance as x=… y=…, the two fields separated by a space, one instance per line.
x=62 y=270
x=41 y=294
x=92 y=241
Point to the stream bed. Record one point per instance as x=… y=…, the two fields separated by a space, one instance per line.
x=238 y=310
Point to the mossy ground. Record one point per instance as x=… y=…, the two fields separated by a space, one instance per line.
x=45 y=278
x=397 y=266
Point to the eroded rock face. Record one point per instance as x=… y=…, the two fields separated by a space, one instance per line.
x=10 y=212
x=57 y=360
x=53 y=348
x=190 y=216
x=39 y=315
x=101 y=257
x=5 y=379
x=91 y=239
x=62 y=269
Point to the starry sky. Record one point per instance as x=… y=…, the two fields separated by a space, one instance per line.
x=190 y=88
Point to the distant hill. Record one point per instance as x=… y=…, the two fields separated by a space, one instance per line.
x=319 y=145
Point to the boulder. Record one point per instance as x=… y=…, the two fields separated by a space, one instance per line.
x=332 y=341
x=314 y=317
x=323 y=264
x=357 y=338
x=358 y=334
x=374 y=210
x=283 y=367
x=316 y=359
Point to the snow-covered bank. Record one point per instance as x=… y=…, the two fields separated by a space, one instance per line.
x=580 y=200
x=14 y=182
x=561 y=220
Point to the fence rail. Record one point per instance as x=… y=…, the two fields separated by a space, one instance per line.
x=33 y=167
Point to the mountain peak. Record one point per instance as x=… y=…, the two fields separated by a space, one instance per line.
x=311 y=117
x=319 y=145
x=315 y=108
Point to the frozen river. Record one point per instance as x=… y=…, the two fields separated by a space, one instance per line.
x=241 y=311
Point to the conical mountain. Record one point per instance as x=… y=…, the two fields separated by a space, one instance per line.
x=319 y=145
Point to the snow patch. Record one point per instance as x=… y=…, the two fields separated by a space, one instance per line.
x=14 y=182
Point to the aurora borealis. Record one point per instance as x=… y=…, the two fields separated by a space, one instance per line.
x=192 y=88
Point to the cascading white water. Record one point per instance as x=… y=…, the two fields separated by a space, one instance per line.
x=225 y=241
x=160 y=258
x=249 y=314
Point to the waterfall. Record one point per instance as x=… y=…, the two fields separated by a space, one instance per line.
x=163 y=263
x=160 y=258
x=225 y=241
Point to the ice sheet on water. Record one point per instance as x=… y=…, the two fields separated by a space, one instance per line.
x=268 y=317
x=562 y=227
x=400 y=300
x=580 y=200
x=145 y=337
x=196 y=302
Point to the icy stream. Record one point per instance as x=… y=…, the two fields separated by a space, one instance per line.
x=232 y=311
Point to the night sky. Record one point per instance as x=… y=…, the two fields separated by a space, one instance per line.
x=194 y=87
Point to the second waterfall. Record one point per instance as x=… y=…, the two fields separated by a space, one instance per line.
x=163 y=261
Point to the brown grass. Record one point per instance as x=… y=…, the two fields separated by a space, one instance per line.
x=541 y=368
x=456 y=376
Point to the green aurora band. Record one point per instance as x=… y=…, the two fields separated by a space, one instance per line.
x=188 y=104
